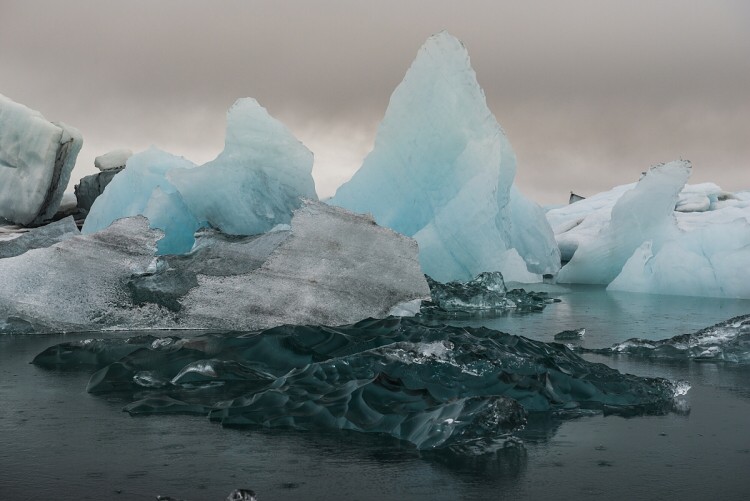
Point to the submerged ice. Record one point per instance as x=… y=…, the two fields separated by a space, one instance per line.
x=442 y=171
x=429 y=384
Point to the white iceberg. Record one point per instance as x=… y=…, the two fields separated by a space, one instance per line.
x=442 y=171
x=658 y=236
x=641 y=214
x=36 y=159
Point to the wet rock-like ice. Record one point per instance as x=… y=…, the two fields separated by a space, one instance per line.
x=36 y=159
x=252 y=186
x=483 y=295
x=429 y=384
x=329 y=267
x=442 y=171
x=36 y=238
x=726 y=341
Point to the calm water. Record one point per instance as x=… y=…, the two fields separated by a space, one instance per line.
x=58 y=442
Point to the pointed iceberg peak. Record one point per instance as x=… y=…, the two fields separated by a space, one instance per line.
x=442 y=171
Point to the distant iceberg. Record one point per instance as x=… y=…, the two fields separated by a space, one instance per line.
x=659 y=236
x=442 y=171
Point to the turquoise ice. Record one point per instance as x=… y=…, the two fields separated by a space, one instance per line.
x=442 y=171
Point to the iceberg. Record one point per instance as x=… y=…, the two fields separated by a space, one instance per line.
x=640 y=214
x=432 y=385
x=143 y=189
x=329 y=267
x=37 y=238
x=112 y=160
x=442 y=171
x=252 y=186
x=701 y=247
x=36 y=159
x=727 y=341
x=484 y=295
x=90 y=187
x=256 y=182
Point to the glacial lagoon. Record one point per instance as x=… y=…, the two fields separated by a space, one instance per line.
x=55 y=437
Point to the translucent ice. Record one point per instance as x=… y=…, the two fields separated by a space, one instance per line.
x=143 y=189
x=442 y=171
x=486 y=294
x=256 y=182
x=252 y=186
x=36 y=158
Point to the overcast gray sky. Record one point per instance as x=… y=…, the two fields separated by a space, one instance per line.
x=590 y=92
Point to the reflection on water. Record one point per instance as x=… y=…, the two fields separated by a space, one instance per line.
x=56 y=439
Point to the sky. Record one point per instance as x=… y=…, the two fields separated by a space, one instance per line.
x=590 y=93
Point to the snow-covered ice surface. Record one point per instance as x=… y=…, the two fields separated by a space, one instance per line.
x=252 y=186
x=36 y=238
x=36 y=159
x=699 y=248
x=641 y=214
x=113 y=159
x=442 y=171
x=332 y=267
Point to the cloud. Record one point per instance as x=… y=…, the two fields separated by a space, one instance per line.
x=590 y=93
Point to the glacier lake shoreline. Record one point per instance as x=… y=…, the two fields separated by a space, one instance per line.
x=56 y=440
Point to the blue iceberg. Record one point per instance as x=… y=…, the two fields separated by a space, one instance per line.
x=442 y=171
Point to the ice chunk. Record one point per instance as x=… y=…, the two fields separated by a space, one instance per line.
x=142 y=189
x=726 y=341
x=570 y=335
x=332 y=267
x=641 y=214
x=251 y=187
x=37 y=238
x=485 y=294
x=115 y=159
x=90 y=187
x=77 y=284
x=712 y=261
x=36 y=158
x=442 y=171
x=256 y=182
x=432 y=385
